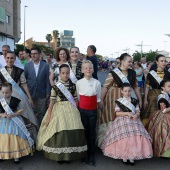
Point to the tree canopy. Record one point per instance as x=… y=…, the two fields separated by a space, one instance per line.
x=150 y=56
x=49 y=38
x=55 y=33
x=44 y=48
x=19 y=47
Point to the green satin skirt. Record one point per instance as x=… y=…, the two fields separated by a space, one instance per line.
x=66 y=145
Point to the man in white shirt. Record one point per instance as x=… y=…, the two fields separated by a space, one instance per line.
x=37 y=76
x=49 y=61
x=143 y=63
x=5 y=49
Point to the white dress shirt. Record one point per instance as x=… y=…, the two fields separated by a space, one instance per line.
x=36 y=67
x=17 y=62
x=90 y=87
x=144 y=66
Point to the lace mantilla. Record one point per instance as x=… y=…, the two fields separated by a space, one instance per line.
x=65 y=150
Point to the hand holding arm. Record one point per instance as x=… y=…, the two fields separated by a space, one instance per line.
x=136 y=116
x=103 y=94
x=138 y=96
x=146 y=96
x=28 y=93
x=14 y=114
x=120 y=114
x=51 y=77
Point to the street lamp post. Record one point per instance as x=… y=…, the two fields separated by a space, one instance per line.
x=24 y=24
x=111 y=55
x=127 y=50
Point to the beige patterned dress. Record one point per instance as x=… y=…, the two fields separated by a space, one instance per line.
x=64 y=138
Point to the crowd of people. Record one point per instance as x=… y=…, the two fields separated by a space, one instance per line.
x=59 y=107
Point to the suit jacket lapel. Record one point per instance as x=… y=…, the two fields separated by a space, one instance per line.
x=40 y=67
x=32 y=68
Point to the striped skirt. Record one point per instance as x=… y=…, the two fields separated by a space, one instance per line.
x=159 y=129
x=152 y=105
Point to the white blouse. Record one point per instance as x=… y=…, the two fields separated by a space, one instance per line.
x=89 y=88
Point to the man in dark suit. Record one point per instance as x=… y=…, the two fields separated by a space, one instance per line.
x=91 y=50
x=37 y=76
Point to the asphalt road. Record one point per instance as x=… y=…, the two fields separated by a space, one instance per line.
x=38 y=162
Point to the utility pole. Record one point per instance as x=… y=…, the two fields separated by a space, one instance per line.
x=141 y=45
x=117 y=53
x=127 y=50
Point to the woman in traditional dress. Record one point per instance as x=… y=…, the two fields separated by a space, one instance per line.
x=62 y=56
x=15 y=76
x=126 y=137
x=15 y=140
x=111 y=92
x=159 y=123
x=75 y=65
x=153 y=88
x=61 y=135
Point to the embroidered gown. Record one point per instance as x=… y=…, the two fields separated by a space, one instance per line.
x=127 y=138
x=154 y=91
x=64 y=138
x=17 y=74
x=113 y=84
x=55 y=68
x=76 y=68
x=159 y=129
x=13 y=142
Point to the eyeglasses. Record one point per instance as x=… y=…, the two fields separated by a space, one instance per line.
x=34 y=53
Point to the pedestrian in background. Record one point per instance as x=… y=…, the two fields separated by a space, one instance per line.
x=91 y=50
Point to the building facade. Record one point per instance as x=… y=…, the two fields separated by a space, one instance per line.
x=165 y=53
x=66 y=39
x=10 y=22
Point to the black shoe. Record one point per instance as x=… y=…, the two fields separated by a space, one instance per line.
x=91 y=160
x=126 y=163
x=131 y=163
x=67 y=162
x=60 y=162
x=84 y=161
x=1 y=160
x=16 y=161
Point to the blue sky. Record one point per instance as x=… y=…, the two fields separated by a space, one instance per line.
x=110 y=25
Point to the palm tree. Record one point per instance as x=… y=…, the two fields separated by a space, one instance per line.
x=56 y=34
x=49 y=38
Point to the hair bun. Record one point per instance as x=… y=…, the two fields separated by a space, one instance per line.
x=123 y=56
